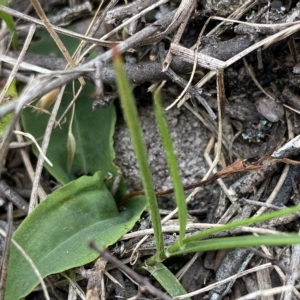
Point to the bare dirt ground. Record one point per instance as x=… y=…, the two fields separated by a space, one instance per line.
x=241 y=100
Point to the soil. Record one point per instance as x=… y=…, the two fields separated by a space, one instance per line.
x=260 y=112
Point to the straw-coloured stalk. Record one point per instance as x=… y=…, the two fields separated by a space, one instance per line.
x=71 y=143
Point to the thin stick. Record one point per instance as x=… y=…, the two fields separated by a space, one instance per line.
x=32 y=264
x=40 y=162
x=5 y=251
x=39 y=10
x=140 y=280
x=220 y=95
x=233 y=277
x=30 y=136
x=42 y=194
x=18 y=62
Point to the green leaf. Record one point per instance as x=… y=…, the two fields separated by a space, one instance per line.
x=265 y=217
x=8 y=19
x=11 y=94
x=55 y=234
x=238 y=242
x=93 y=130
x=45 y=44
x=93 y=133
x=134 y=127
x=167 y=279
x=172 y=163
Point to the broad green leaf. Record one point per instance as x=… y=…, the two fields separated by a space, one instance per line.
x=167 y=279
x=92 y=130
x=93 y=133
x=55 y=234
x=45 y=44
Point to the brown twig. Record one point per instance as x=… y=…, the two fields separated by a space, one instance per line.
x=140 y=280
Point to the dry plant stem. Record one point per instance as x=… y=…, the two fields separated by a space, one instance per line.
x=31 y=263
x=257 y=203
x=116 y=183
x=230 y=212
x=93 y=27
x=39 y=10
x=141 y=281
x=75 y=285
x=270 y=200
x=130 y=20
x=294 y=266
x=196 y=51
x=209 y=161
x=235 y=15
x=292 y=109
x=184 y=10
x=281 y=179
x=22 y=16
x=137 y=73
x=95 y=276
x=266 y=293
x=199 y=226
x=31 y=137
x=27 y=163
x=203 y=60
x=69 y=106
x=220 y=97
x=234 y=277
x=5 y=251
x=83 y=43
x=263 y=282
x=33 y=199
x=234 y=262
x=18 y=62
x=249 y=71
x=25 y=66
x=179 y=98
x=186 y=267
x=6 y=139
x=12 y=196
x=176 y=40
x=33 y=94
x=17 y=107
x=187 y=96
x=195 y=92
x=128 y=10
x=279 y=271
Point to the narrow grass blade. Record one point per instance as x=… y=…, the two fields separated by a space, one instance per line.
x=172 y=163
x=167 y=279
x=176 y=247
x=131 y=117
x=238 y=242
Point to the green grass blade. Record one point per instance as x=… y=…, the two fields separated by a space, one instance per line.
x=172 y=163
x=167 y=279
x=238 y=242
x=175 y=247
x=131 y=118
